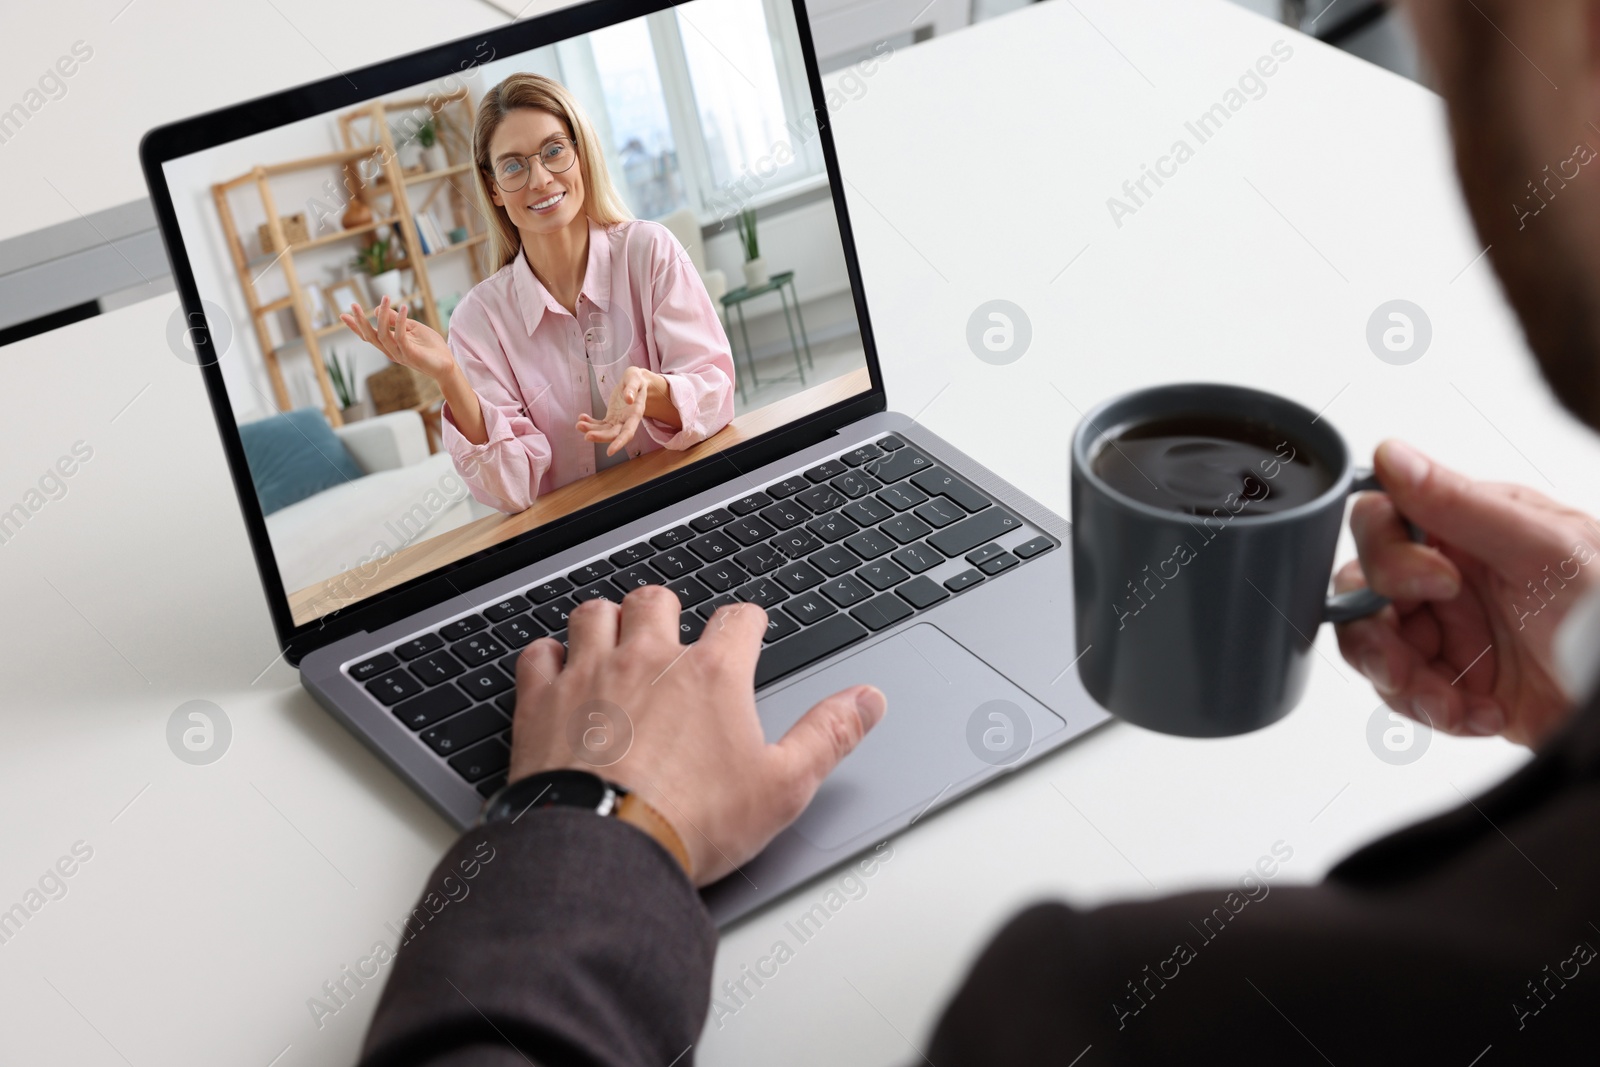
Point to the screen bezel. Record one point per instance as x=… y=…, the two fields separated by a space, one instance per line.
x=339 y=91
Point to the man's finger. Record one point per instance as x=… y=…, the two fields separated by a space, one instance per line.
x=591 y=630
x=1391 y=562
x=734 y=632
x=825 y=735
x=649 y=613
x=1513 y=536
x=538 y=666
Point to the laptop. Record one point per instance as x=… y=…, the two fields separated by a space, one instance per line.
x=403 y=589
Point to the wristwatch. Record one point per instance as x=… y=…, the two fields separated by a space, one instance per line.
x=589 y=792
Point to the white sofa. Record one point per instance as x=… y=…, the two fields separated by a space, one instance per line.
x=406 y=496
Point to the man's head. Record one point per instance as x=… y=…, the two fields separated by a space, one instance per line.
x=1522 y=82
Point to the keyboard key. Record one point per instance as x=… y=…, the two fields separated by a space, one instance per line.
x=788 y=487
x=831 y=528
x=822 y=498
x=868 y=511
x=690 y=627
x=856 y=457
x=455 y=631
x=921 y=593
x=883 y=610
x=779 y=626
x=969 y=533
x=511 y=605
x=436 y=667
x=675 y=563
x=979 y=556
x=823 y=471
x=491 y=785
x=763 y=592
x=905 y=528
x=419 y=646
x=1034 y=547
x=479 y=649
x=810 y=608
x=917 y=558
x=721 y=577
x=509 y=664
x=627 y=557
x=1003 y=562
x=466 y=729
x=507 y=703
x=430 y=707
x=937 y=481
x=881 y=574
x=690 y=592
x=675 y=536
x=635 y=576
x=709 y=608
x=599 y=589
x=553 y=616
x=845 y=590
x=890 y=443
x=902 y=497
x=964 y=580
x=759 y=559
x=784 y=515
x=796 y=543
x=806 y=647
x=369 y=669
x=901 y=463
x=799 y=576
x=519 y=632
x=869 y=544
x=746 y=504
x=485 y=682
x=939 y=512
x=713 y=546
x=855 y=485
x=393 y=687
x=834 y=560
x=748 y=531
x=711 y=520
x=590 y=572
x=548 y=591
x=481 y=760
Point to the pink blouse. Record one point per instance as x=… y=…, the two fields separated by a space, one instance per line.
x=528 y=359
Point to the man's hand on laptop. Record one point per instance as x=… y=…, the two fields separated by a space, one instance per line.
x=679 y=722
x=1468 y=645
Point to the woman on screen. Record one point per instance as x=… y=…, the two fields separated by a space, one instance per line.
x=595 y=327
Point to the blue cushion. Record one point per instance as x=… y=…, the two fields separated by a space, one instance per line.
x=293 y=456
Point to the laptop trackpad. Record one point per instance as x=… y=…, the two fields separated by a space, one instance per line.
x=952 y=719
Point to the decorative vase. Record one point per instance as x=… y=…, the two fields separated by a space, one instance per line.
x=356 y=212
x=388 y=284
x=357 y=411
x=433 y=157
x=755 y=273
x=458 y=235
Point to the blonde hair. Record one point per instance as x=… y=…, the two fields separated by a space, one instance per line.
x=522 y=90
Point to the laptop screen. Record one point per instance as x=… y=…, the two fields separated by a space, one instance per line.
x=618 y=255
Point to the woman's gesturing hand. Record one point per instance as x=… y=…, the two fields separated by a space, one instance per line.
x=1468 y=644
x=624 y=411
x=677 y=723
x=403 y=339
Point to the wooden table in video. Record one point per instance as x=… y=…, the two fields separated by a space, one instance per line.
x=416 y=560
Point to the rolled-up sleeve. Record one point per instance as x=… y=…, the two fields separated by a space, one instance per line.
x=692 y=349
x=508 y=470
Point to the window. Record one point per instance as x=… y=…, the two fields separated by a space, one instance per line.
x=642 y=144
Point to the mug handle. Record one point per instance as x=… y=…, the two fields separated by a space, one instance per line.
x=1359 y=603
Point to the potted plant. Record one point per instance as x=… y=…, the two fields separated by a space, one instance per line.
x=433 y=154
x=377 y=262
x=755 y=268
x=342 y=376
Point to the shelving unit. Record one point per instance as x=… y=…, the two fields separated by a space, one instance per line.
x=366 y=135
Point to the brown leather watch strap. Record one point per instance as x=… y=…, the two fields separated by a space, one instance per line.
x=636 y=811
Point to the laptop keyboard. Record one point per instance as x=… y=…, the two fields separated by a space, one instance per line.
x=833 y=553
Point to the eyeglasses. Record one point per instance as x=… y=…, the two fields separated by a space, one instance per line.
x=557 y=157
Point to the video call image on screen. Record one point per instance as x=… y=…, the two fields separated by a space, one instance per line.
x=699 y=322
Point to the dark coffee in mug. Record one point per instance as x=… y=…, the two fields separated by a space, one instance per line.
x=1198 y=464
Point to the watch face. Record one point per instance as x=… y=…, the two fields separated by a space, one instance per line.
x=571 y=789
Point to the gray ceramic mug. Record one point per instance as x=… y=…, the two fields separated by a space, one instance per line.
x=1202 y=627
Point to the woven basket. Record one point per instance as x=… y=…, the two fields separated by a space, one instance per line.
x=397 y=388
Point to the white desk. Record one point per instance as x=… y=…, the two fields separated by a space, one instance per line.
x=224 y=896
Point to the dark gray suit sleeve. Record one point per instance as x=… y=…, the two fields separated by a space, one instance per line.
x=563 y=939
